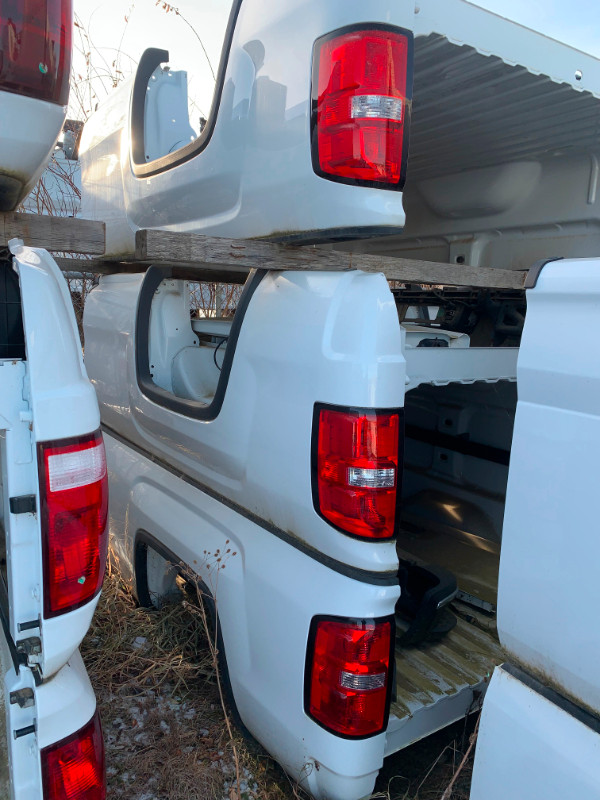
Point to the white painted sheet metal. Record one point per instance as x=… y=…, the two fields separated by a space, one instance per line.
x=472 y=109
x=529 y=747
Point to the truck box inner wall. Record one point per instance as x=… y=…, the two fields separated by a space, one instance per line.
x=451 y=518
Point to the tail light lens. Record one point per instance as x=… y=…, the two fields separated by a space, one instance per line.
x=361 y=100
x=348 y=680
x=73 y=769
x=35 y=48
x=357 y=469
x=74 y=504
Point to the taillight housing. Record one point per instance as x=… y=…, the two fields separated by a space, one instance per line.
x=73 y=769
x=348 y=675
x=361 y=105
x=35 y=48
x=357 y=469
x=74 y=507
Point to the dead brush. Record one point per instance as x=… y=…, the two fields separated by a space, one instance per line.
x=129 y=645
x=166 y=726
x=153 y=677
x=168 y=729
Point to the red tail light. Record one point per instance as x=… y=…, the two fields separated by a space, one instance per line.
x=348 y=676
x=73 y=769
x=74 y=504
x=35 y=48
x=361 y=96
x=357 y=469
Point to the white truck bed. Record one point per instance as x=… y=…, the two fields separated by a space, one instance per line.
x=441 y=365
x=488 y=91
x=440 y=683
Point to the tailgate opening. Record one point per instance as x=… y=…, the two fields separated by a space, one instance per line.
x=457 y=450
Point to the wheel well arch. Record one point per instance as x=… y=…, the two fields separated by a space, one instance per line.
x=142 y=542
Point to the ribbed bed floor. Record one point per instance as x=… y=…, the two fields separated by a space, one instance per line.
x=438 y=683
x=427 y=673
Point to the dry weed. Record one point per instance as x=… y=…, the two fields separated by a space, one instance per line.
x=167 y=733
x=437 y=767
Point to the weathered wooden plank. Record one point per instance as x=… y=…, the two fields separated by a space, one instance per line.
x=189 y=249
x=228 y=260
x=100 y=266
x=68 y=234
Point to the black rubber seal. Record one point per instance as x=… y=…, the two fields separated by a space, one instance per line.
x=189 y=408
x=571 y=708
x=140 y=167
x=355 y=573
x=533 y=273
x=314 y=99
x=150 y=60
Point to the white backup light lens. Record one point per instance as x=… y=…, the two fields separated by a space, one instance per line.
x=362 y=683
x=372 y=478
x=376 y=106
x=78 y=468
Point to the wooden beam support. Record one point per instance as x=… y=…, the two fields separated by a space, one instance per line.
x=99 y=266
x=190 y=249
x=228 y=260
x=68 y=234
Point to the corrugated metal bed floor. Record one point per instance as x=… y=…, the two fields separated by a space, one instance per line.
x=438 y=683
x=472 y=110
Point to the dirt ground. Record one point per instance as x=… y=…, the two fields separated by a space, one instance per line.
x=167 y=737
